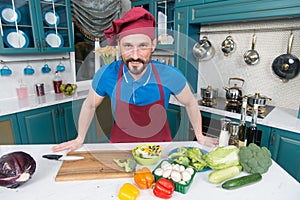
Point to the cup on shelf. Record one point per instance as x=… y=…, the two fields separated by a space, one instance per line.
x=28 y=70
x=46 y=69
x=5 y=71
x=60 y=67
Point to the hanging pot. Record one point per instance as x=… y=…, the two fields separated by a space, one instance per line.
x=257 y=99
x=251 y=57
x=234 y=93
x=203 y=50
x=286 y=66
x=228 y=45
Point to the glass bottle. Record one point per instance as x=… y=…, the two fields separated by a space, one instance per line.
x=242 y=129
x=224 y=134
x=57 y=81
x=252 y=129
x=233 y=132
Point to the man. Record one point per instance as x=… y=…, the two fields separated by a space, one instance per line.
x=138 y=87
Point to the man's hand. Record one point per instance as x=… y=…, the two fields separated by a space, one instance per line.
x=68 y=146
x=207 y=141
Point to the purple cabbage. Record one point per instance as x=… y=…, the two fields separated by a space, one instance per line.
x=16 y=168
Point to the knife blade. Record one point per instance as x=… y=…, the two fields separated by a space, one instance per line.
x=62 y=157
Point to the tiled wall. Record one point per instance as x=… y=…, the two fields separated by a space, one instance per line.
x=259 y=77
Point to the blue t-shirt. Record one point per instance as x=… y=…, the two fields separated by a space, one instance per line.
x=139 y=92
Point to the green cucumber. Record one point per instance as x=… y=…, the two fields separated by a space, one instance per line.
x=241 y=181
x=223 y=174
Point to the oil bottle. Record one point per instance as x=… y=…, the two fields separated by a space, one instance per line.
x=252 y=129
x=243 y=126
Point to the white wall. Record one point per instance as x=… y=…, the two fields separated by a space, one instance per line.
x=17 y=63
x=260 y=77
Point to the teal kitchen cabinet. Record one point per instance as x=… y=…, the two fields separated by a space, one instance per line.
x=285 y=149
x=51 y=124
x=9 y=127
x=36 y=26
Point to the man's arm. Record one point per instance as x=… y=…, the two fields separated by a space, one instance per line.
x=187 y=98
x=86 y=115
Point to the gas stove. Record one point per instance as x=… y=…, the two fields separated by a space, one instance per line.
x=235 y=107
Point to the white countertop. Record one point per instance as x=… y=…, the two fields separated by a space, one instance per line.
x=276 y=184
x=281 y=118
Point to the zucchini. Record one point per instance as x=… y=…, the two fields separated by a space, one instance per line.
x=223 y=174
x=241 y=181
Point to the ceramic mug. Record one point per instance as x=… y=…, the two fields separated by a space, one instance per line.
x=60 y=68
x=46 y=69
x=28 y=70
x=5 y=71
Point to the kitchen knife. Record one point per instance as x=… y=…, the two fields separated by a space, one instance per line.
x=62 y=157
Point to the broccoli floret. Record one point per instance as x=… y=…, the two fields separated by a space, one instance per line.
x=255 y=159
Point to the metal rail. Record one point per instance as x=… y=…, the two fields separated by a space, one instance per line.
x=246 y=30
x=34 y=60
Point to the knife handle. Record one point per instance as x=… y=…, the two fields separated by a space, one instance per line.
x=52 y=156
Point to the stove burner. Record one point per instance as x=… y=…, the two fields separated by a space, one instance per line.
x=208 y=102
x=261 y=111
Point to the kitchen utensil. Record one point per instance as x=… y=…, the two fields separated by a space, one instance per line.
x=5 y=71
x=97 y=164
x=54 y=39
x=62 y=157
x=28 y=70
x=46 y=69
x=209 y=92
x=203 y=49
x=234 y=93
x=251 y=57
x=10 y=15
x=15 y=38
x=60 y=67
x=286 y=66
x=228 y=46
x=257 y=99
x=51 y=18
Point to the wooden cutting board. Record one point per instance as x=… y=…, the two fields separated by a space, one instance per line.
x=95 y=165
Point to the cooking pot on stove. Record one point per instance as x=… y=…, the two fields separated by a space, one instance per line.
x=209 y=93
x=234 y=93
x=257 y=99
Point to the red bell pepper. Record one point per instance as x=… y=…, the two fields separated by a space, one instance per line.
x=164 y=188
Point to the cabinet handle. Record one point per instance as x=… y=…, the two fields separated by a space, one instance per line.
x=272 y=140
x=38 y=44
x=56 y=112
x=62 y=111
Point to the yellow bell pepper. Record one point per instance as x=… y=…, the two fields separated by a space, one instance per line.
x=128 y=192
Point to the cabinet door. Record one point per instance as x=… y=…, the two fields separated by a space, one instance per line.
x=9 y=133
x=40 y=126
x=18 y=27
x=30 y=26
x=285 y=149
x=174 y=116
x=55 y=25
x=68 y=120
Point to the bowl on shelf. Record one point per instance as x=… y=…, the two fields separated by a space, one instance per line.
x=147 y=154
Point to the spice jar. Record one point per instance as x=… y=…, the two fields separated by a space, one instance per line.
x=233 y=131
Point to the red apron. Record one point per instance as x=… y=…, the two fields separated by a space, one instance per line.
x=140 y=123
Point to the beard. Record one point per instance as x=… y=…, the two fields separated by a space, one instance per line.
x=135 y=69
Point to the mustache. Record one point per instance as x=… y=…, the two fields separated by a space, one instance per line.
x=135 y=60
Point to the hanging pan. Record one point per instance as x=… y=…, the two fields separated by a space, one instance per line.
x=286 y=66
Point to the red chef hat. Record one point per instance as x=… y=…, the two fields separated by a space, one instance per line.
x=135 y=21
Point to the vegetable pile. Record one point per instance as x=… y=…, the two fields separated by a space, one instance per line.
x=16 y=168
x=189 y=157
x=255 y=159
